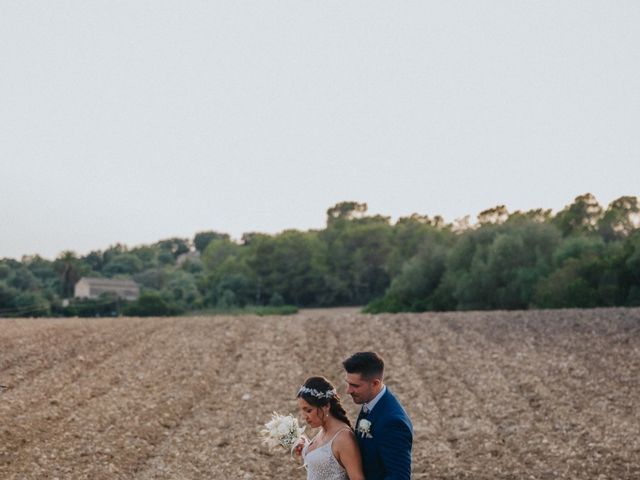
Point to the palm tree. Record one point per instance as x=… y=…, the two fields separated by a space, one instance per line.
x=67 y=268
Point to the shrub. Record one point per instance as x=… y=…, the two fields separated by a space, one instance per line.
x=150 y=304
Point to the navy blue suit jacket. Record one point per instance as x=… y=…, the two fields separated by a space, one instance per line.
x=387 y=454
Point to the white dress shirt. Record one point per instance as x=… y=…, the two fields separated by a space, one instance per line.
x=367 y=407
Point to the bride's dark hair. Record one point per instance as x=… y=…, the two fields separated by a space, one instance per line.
x=321 y=386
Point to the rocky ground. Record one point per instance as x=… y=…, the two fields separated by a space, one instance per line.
x=492 y=395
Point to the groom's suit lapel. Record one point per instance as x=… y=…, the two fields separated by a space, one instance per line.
x=379 y=410
x=360 y=417
x=377 y=413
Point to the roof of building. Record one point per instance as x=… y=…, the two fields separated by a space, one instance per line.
x=108 y=282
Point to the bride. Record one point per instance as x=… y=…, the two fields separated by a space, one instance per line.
x=333 y=454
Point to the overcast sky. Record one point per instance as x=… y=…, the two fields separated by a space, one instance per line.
x=132 y=121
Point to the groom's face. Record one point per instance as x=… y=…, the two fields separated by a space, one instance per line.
x=361 y=389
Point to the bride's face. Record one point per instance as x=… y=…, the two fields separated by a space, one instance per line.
x=313 y=416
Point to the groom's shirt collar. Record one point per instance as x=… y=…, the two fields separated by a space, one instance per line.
x=369 y=405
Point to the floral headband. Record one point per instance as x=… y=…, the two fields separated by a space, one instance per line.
x=315 y=393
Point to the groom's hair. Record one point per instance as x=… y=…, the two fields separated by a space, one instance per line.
x=369 y=365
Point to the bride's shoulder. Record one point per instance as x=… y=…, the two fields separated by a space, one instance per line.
x=345 y=445
x=346 y=436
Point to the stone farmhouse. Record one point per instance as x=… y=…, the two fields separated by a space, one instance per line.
x=88 y=287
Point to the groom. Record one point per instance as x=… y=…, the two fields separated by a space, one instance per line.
x=383 y=429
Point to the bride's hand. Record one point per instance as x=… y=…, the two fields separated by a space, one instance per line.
x=298 y=448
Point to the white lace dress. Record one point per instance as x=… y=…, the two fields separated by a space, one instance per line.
x=321 y=463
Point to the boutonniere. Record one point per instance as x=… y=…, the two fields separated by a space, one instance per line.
x=364 y=428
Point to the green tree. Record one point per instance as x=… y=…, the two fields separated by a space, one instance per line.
x=346 y=211
x=113 y=251
x=633 y=260
x=5 y=270
x=95 y=260
x=194 y=266
x=176 y=246
x=577 y=248
x=166 y=258
x=24 y=280
x=150 y=304
x=620 y=219
x=31 y=304
x=291 y=264
x=582 y=276
x=7 y=300
x=276 y=300
x=67 y=265
x=411 y=234
x=153 y=278
x=630 y=272
x=581 y=217
x=538 y=215
x=234 y=275
x=41 y=268
x=123 y=264
x=202 y=239
x=147 y=255
x=227 y=300
x=218 y=250
x=496 y=266
x=496 y=215
x=358 y=258
x=566 y=287
x=183 y=290
x=413 y=289
x=519 y=256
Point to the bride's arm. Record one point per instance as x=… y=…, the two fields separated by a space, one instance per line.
x=347 y=453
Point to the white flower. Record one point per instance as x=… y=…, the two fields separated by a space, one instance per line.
x=283 y=428
x=283 y=431
x=364 y=428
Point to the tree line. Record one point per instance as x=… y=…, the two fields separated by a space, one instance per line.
x=583 y=256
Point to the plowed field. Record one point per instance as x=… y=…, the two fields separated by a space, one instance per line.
x=495 y=395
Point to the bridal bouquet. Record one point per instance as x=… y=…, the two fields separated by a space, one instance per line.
x=282 y=430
